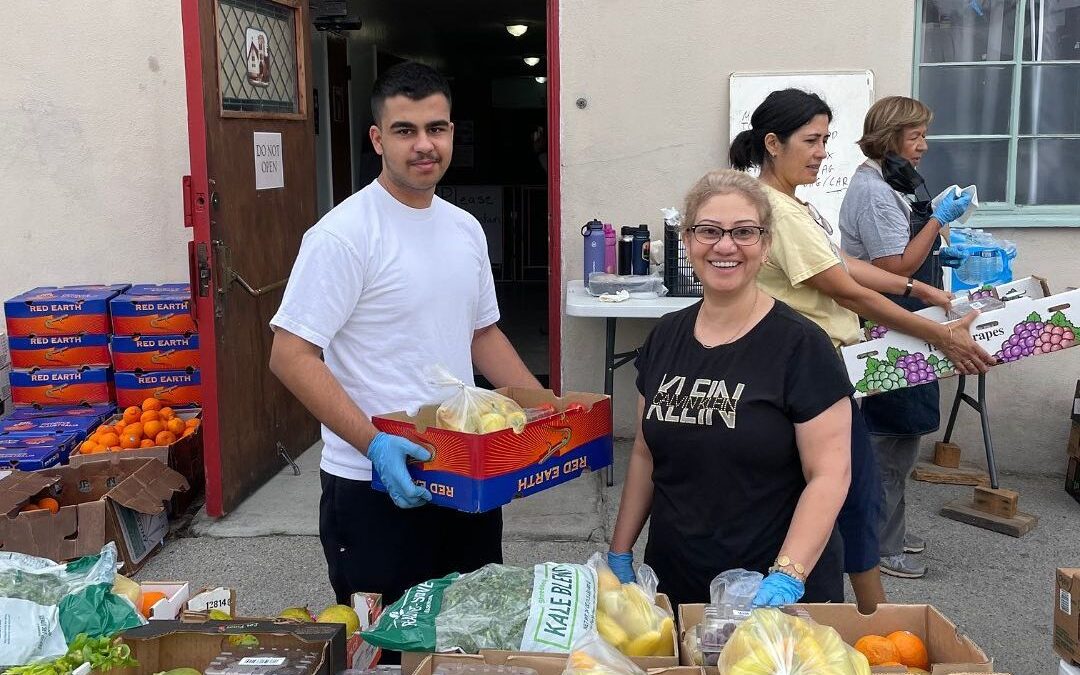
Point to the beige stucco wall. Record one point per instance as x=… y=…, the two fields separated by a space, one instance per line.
x=655 y=77
x=93 y=143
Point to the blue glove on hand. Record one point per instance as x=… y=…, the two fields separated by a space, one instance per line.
x=622 y=565
x=388 y=454
x=952 y=207
x=950 y=256
x=778 y=589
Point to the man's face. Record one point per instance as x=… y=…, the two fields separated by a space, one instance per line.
x=415 y=140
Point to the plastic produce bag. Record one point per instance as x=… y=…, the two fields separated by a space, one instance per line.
x=472 y=409
x=735 y=587
x=592 y=655
x=47 y=604
x=542 y=609
x=627 y=615
x=771 y=642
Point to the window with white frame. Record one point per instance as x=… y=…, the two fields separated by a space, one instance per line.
x=1003 y=80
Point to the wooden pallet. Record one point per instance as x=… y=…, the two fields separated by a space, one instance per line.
x=965 y=511
x=965 y=474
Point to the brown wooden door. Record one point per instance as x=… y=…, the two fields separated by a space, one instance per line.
x=337 y=71
x=249 y=112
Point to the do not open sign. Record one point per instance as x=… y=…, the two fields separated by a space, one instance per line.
x=269 y=167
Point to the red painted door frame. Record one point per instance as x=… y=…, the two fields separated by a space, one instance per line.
x=554 y=200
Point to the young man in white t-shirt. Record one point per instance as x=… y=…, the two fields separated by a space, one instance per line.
x=390 y=281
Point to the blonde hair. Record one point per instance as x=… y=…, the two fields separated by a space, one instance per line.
x=726 y=182
x=886 y=122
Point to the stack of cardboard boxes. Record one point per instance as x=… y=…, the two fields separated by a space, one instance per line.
x=61 y=377
x=5 y=376
x=155 y=346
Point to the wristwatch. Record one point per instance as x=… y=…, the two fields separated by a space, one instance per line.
x=786 y=565
x=910 y=286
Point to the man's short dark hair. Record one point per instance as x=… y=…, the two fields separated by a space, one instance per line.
x=411 y=79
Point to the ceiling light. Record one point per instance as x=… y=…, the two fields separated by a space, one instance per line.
x=532 y=61
x=516 y=29
x=541 y=79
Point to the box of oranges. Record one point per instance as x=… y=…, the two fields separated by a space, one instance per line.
x=155 y=431
x=67 y=310
x=153 y=310
x=62 y=386
x=174 y=388
x=151 y=353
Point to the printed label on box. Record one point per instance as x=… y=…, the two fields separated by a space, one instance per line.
x=60 y=351
x=152 y=314
x=141 y=531
x=150 y=353
x=173 y=388
x=72 y=310
x=1065 y=601
x=62 y=386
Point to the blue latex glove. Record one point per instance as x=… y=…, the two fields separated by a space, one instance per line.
x=952 y=207
x=950 y=256
x=778 y=589
x=388 y=454
x=622 y=565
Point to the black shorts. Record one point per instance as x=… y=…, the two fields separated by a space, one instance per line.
x=373 y=546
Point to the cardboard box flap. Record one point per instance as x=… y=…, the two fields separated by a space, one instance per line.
x=149 y=488
x=20 y=486
x=71 y=533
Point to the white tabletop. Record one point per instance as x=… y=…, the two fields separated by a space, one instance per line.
x=580 y=303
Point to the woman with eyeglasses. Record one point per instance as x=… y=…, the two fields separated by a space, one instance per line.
x=807 y=271
x=741 y=457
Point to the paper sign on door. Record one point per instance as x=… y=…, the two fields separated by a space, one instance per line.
x=269 y=167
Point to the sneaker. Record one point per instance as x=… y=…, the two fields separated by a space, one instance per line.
x=914 y=544
x=902 y=566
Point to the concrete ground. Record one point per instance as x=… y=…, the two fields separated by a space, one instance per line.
x=996 y=588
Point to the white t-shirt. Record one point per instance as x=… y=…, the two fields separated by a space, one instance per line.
x=386 y=290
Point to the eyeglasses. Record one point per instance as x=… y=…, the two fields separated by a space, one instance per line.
x=744 y=235
x=819 y=219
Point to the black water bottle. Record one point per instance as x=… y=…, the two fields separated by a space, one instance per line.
x=640 y=251
x=626 y=250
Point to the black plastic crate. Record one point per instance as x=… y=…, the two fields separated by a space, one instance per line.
x=679 y=276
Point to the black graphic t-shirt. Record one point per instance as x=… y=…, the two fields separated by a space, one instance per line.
x=719 y=423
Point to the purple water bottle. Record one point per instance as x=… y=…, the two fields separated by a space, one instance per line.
x=593 y=231
x=609 y=248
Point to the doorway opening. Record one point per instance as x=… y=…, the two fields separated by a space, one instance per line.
x=494 y=53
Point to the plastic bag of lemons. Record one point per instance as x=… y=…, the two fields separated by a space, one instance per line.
x=474 y=410
x=771 y=642
x=592 y=655
x=627 y=616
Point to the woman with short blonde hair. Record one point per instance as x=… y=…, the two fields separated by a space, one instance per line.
x=888 y=121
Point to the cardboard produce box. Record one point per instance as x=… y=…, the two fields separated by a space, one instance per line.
x=99 y=413
x=62 y=386
x=174 y=388
x=1076 y=403
x=164 y=645
x=219 y=598
x=151 y=353
x=542 y=664
x=410 y=661
x=121 y=500
x=1025 y=326
x=5 y=381
x=60 y=351
x=57 y=426
x=66 y=310
x=5 y=353
x=1067 y=614
x=951 y=653
x=168 y=608
x=32 y=451
x=479 y=472
x=163 y=310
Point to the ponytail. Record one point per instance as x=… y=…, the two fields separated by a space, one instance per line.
x=743 y=153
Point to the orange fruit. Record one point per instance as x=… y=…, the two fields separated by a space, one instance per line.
x=149 y=416
x=167 y=413
x=147 y=601
x=119 y=427
x=911 y=648
x=131 y=414
x=88 y=447
x=135 y=428
x=151 y=404
x=176 y=426
x=110 y=439
x=104 y=429
x=152 y=428
x=193 y=422
x=129 y=440
x=146 y=443
x=49 y=503
x=165 y=438
x=877 y=650
x=188 y=431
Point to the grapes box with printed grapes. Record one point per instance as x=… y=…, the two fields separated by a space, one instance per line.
x=1030 y=322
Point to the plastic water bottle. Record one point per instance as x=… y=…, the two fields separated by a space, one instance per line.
x=593 y=232
x=639 y=258
x=609 y=248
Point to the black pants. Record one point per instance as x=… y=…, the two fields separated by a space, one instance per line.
x=372 y=545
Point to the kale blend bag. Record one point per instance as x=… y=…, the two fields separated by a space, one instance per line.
x=543 y=609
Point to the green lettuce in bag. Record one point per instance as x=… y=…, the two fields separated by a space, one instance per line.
x=543 y=609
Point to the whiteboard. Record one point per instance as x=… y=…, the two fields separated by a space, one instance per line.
x=485 y=203
x=848 y=93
